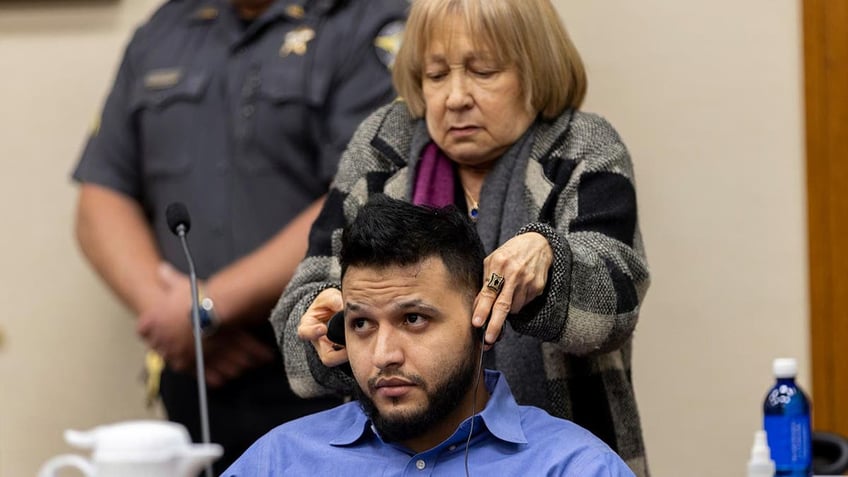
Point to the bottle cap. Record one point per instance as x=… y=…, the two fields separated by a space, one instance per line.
x=760 y=463
x=785 y=367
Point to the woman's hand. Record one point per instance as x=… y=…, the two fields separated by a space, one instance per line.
x=523 y=263
x=313 y=326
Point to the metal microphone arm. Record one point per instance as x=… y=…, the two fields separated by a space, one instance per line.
x=198 y=344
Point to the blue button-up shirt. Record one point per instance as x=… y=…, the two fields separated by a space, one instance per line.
x=507 y=439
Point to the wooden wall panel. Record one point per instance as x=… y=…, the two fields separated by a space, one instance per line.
x=826 y=91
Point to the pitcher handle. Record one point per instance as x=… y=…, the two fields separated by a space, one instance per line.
x=67 y=460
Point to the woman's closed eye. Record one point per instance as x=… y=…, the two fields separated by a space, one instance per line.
x=484 y=73
x=437 y=75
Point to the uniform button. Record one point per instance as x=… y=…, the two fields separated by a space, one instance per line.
x=451 y=448
x=247 y=111
x=420 y=465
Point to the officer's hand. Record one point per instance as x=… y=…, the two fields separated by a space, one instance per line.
x=313 y=326
x=166 y=328
x=229 y=353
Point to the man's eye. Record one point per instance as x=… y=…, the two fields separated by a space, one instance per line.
x=358 y=323
x=415 y=319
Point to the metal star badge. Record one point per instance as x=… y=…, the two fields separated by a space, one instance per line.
x=296 y=41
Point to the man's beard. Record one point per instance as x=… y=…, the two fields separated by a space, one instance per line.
x=441 y=401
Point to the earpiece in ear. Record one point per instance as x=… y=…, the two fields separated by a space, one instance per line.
x=480 y=333
x=336 y=329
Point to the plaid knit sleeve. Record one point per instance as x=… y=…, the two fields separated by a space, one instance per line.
x=320 y=269
x=599 y=276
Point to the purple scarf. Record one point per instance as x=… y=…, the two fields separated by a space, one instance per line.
x=434 y=184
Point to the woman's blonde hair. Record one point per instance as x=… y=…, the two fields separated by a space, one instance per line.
x=526 y=34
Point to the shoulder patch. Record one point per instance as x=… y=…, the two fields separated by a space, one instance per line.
x=387 y=42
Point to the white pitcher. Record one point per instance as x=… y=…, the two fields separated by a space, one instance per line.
x=135 y=449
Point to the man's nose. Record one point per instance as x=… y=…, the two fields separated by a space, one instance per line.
x=388 y=351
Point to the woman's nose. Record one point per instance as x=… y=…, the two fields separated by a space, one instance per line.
x=459 y=95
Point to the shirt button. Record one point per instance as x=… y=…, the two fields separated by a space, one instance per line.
x=451 y=448
x=420 y=464
x=247 y=111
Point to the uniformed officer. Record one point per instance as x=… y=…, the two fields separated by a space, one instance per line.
x=240 y=109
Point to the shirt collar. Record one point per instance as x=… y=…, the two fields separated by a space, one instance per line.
x=355 y=430
x=211 y=10
x=502 y=415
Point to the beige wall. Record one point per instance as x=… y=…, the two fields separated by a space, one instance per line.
x=707 y=95
x=70 y=359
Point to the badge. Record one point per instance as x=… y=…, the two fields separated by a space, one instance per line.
x=387 y=42
x=206 y=13
x=296 y=41
x=163 y=78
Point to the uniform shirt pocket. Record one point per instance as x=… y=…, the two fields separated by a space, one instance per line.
x=166 y=107
x=288 y=107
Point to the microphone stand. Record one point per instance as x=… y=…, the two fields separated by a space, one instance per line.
x=198 y=345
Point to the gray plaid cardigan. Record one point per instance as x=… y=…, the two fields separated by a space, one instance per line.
x=569 y=179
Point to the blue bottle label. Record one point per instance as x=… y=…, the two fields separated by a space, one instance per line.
x=789 y=441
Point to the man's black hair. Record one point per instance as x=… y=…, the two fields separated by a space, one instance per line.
x=390 y=232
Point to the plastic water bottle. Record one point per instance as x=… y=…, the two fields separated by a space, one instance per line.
x=786 y=421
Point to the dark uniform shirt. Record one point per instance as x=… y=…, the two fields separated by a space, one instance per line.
x=244 y=122
x=245 y=125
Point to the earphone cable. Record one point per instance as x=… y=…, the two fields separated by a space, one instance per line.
x=474 y=403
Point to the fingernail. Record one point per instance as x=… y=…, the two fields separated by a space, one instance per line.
x=477 y=321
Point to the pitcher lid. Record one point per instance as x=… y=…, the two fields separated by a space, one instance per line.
x=133 y=440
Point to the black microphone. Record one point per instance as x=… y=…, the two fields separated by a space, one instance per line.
x=178 y=220
x=180 y=223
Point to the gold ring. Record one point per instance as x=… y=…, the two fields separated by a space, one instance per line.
x=495 y=282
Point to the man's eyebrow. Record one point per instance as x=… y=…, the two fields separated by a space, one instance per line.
x=414 y=304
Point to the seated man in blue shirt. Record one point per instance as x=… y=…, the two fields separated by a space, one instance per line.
x=409 y=278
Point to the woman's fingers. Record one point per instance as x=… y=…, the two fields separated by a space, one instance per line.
x=515 y=274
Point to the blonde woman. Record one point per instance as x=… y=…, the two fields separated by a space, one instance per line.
x=490 y=122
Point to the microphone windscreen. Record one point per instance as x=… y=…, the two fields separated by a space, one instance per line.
x=176 y=214
x=336 y=329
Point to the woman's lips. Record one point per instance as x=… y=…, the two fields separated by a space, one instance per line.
x=462 y=131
